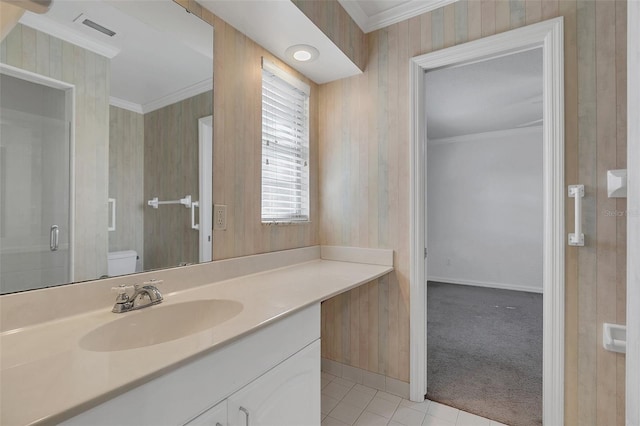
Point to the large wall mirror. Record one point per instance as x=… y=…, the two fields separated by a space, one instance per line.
x=105 y=142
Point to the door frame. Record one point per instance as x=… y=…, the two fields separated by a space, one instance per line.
x=549 y=36
x=70 y=95
x=205 y=198
x=633 y=217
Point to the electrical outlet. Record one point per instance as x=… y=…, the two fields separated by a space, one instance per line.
x=219 y=216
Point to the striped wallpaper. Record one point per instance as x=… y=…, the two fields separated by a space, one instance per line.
x=364 y=187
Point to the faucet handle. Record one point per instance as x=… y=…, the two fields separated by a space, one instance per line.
x=122 y=288
x=122 y=292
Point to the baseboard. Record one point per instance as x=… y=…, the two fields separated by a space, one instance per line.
x=502 y=286
x=366 y=378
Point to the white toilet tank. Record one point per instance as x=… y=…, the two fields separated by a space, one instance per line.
x=121 y=262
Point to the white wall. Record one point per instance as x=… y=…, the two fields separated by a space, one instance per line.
x=484 y=209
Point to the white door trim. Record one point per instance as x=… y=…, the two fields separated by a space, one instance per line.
x=205 y=200
x=549 y=36
x=633 y=217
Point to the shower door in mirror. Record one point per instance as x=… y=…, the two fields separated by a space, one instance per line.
x=35 y=243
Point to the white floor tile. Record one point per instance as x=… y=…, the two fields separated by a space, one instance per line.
x=343 y=402
x=330 y=421
x=326 y=376
x=382 y=407
x=358 y=398
x=324 y=382
x=389 y=397
x=443 y=412
x=346 y=413
x=344 y=382
x=420 y=406
x=408 y=417
x=327 y=404
x=335 y=390
x=435 y=421
x=365 y=389
x=468 y=419
x=371 y=419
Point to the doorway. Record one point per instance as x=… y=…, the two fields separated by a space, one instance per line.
x=36 y=149
x=548 y=37
x=484 y=237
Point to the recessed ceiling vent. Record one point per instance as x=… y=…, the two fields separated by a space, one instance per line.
x=83 y=19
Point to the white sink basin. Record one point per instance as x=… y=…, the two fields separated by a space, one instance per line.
x=159 y=324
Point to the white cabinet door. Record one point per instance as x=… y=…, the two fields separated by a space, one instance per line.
x=287 y=395
x=215 y=416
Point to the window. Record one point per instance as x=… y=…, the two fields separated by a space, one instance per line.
x=285 y=146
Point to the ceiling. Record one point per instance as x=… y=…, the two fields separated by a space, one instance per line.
x=142 y=76
x=371 y=15
x=276 y=25
x=496 y=94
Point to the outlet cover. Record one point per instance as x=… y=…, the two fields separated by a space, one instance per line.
x=219 y=217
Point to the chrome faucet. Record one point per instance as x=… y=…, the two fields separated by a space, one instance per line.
x=142 y=296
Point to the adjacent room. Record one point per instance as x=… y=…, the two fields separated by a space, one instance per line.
x=485 y=237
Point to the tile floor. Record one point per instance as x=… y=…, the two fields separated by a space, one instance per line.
x=345 y=403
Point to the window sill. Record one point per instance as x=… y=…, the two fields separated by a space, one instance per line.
x=284 y=223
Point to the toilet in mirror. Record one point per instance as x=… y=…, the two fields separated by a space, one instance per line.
x=105 y=142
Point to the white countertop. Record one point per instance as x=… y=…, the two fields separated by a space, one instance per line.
x=46 y=377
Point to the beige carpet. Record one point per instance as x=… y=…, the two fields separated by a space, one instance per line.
x=484 y=351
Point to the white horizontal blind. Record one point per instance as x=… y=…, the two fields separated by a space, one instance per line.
x=285 y=147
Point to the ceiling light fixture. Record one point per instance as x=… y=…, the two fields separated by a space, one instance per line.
x=302 y=53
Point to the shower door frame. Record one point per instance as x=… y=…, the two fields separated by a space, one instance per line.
x=70 y=100
x=549 y=36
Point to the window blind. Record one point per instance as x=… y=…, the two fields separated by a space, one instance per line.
x=285 y=146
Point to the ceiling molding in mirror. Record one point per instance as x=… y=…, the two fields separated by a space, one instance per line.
x=141 y=76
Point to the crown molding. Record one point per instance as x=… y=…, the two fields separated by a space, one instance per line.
x=390 y=16
x=485 y=136
x=180 y=95
x=124 y=104
x=49 y=26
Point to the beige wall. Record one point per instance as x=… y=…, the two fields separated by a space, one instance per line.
x=38 y=52
x=126 y=179
x=237 y=128
x=364 y=193
x=237 y=144
x=171 y=172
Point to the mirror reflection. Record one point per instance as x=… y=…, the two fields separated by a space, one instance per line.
x=105 y=142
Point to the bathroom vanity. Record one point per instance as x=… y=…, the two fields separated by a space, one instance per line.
x=269 y=377
x=256 y=361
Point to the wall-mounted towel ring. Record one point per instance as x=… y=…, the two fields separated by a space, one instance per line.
x=577 y=192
